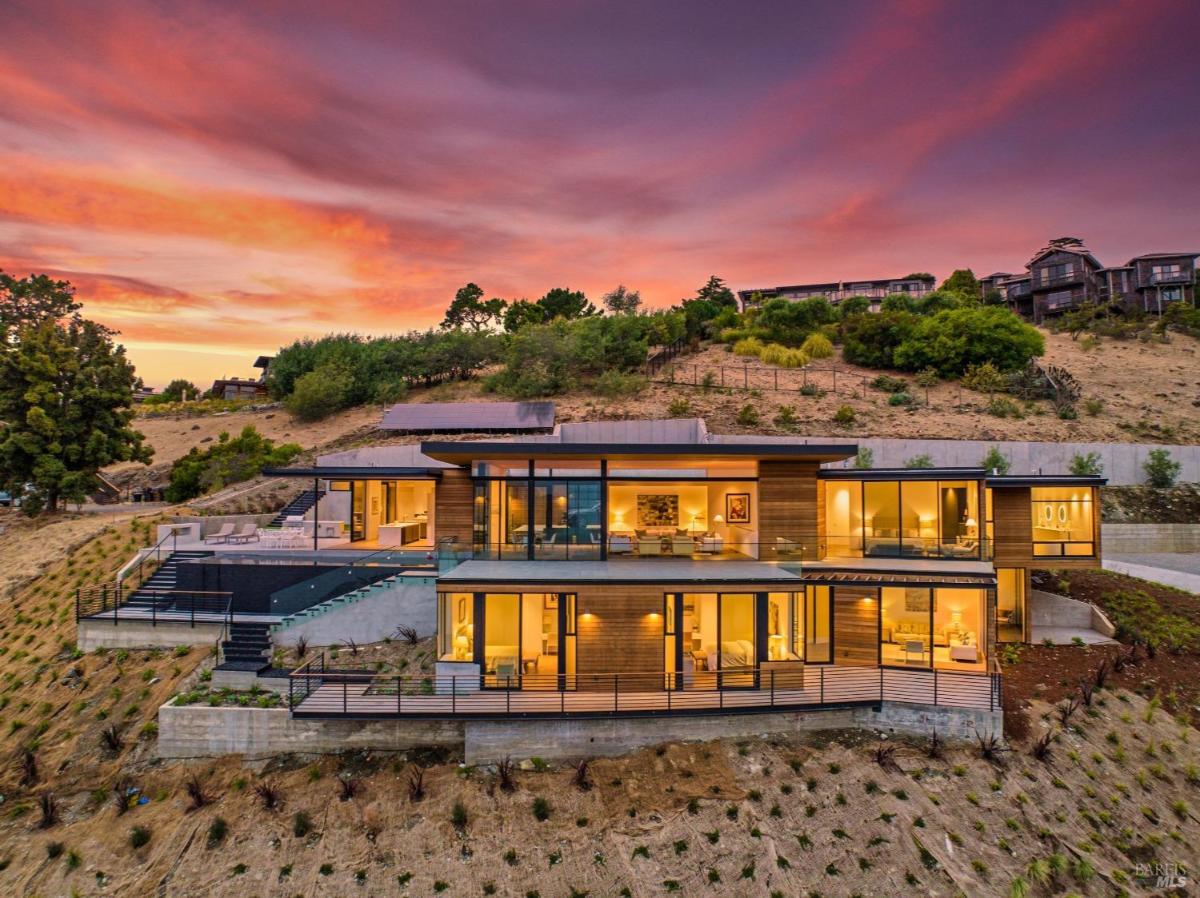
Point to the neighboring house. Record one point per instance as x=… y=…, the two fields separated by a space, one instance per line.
x=1063 y=277
x=837 y=291
x=244 y=387
x=141 y=394
x=653 y=556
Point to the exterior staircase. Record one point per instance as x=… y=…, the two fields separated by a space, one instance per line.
x=349 y=598
x=247 y=648
x=298 y=506
x=165 y=578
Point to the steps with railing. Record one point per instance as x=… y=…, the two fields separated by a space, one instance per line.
x=297 y=507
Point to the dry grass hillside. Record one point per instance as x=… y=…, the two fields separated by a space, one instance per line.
x=819 y=815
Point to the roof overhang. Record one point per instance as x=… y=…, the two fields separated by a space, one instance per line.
x=606 y=573
x=464 y=452
x=334 y=472
x=1017 y=480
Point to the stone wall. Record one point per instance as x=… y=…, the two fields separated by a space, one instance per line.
x=1142 y=538
x=95 y=634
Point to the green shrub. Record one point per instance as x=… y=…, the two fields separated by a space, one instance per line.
x=817 y=346
x=771 y=354
x=984 y=378
x=541 y=809
x=786 y=418
x=614 y=383
x=217 y=831
x=995 y=460
x=953 y=340
x=320 y=393
x=924 y=460
x=900 y=399
x=1087 y=465
x=747 y=415
x=844 y=416
x=139 y=836
x=811 y=390
x=888 y=384
x=680 y=408
x=749 y=346
x=871 y=340
x=1003 y=407
x=865 y=459
x=226 y=461
x=1161 y=470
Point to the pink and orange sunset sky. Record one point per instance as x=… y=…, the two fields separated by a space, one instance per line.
x=219 y=178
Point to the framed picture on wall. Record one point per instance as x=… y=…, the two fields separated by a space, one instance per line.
x=737 y=508
x=551 y=601
x=462 y=610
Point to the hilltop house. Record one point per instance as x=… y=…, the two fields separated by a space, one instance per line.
x=644 y=568
x=837 y=291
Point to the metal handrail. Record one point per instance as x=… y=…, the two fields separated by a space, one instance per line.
x=794 y=685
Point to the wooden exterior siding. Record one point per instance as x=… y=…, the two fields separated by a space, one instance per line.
x=856 y=625
x=791 y=506
x=454 y=498
x=620 y=630
x=1012 y=526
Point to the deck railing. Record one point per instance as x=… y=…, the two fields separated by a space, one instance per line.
x=175 y=606
x=318 y=692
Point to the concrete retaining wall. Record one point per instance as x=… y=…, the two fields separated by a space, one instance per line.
x=1142 y=538
x=198 y=731
x=408 y=601
x=1122 y=461
x=1165 y=576
x=1048 y=609
x=96 y=634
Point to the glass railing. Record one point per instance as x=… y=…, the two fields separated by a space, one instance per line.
x=344 y=578
x=959 y=549
x=1171 y=277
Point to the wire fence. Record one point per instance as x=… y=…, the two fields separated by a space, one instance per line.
x=811 y=380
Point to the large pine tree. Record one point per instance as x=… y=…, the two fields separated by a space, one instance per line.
x=66 y=395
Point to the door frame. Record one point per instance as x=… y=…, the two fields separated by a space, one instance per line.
x=760 y=638
x=567 y=615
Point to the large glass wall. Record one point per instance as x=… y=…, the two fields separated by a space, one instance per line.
x=1063 y=522
x=818 y=625
x=456 y=626
x=528 y=640
x=690 y=518
x=898 y=519
x=932 y=627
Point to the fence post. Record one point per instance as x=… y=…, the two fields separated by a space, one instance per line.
x=772 y=687
x=399 y=694
x=453 y=695
x=822 y=685
x=77 y=604
x=722 y=367
x=935 y=684
x=616 y=693
x=776 y=380
x=291 y=695
x=834 y=381
x=345 y=691
x=670 y=689
x=746 y=377
x=508 y=696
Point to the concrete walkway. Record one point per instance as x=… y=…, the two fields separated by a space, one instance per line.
x=1180 y=570
x=1067 y=636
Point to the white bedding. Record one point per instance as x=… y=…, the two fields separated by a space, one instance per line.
x=737 y=653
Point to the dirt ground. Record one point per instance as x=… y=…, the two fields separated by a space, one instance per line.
x=818 y=815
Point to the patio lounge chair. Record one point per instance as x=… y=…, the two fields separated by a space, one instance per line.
x=248 y=534
x=221 y=535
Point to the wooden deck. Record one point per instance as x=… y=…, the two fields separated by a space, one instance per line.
x=364 y=696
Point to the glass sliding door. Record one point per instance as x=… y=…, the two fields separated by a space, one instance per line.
x=737 y=654
x=1010 y=604
x=528 y=641
x=501 y=644
x=358 y=510
x=818 y=625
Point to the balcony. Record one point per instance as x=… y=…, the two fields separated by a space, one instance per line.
x=316 y=692
x=857 y=546
x=1171 y=277
x=1046 y=280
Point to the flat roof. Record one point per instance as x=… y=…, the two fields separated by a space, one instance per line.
x=468 y=417
x=467 y=451
x=1002 y=480
x=902 y=474
x=618 y=572
x=336 y=472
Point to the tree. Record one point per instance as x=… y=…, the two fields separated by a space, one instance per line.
x=790 y=323
x=563 y=302
x=470 y=309
x=621 y=301
x=320 y=393
x=31 y=300
x=855 y=305
x=66 y=400
x=1161 y=470
x=715 y=291
x=872 y=340
x=1061 y=242
x=521 y=313
x=962 y=280
x=226 y=461
x=179 y=390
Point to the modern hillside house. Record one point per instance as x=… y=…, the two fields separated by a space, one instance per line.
x=651 y=566
x=836 y=291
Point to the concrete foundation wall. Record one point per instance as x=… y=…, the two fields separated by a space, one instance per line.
x=1144 y=538
x=568 y=740
x=1165 y=576
x=408 y=601
x=198 y=731
x=96 y=634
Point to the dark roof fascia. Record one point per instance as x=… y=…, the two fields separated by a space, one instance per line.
x=1162 y=256
x=487 y=449
x=336 y=472
x=1017 y=480
x=902 y=473
x=567 y=580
